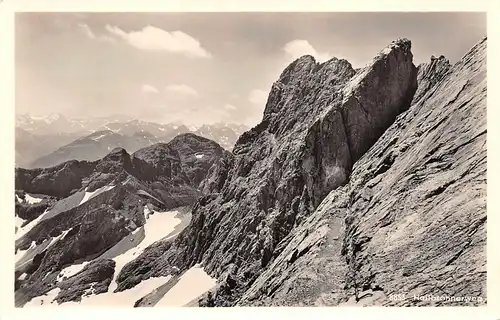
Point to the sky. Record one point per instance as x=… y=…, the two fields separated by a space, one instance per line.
x=203 y=68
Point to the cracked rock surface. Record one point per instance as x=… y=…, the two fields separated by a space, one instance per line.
x=411 y=220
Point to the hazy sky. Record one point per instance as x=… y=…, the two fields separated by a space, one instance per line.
x=202 y=67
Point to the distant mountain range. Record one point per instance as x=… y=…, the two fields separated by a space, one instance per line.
x=48 y=141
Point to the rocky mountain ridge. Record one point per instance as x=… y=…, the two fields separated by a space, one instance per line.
x=357 y=185
x=95 y=205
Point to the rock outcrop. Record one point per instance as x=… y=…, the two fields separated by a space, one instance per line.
x=429 y=74
x=93 y=279
x=319 y=119
x=59 y=181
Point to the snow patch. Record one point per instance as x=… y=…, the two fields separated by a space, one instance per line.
x=191 y=285
x=20 y=253
x=158 y=225
x=19 y=222
x=89 y=195
x=59 y=237
x=22 y=277
x=99 y=137
x=125 y=298
x=146 y=212
x=144 y=193
x=18 y=199
x=22 y=231
x=71 y=271
x=44 y=300
x=199 y=156
x=32 y=200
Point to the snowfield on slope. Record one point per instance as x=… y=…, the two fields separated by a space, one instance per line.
x=191 y=285
x=32 y=200
x=22 y=231
x=158 y=226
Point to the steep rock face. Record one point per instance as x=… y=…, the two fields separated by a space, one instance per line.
x=412 y=219
x=318 y=120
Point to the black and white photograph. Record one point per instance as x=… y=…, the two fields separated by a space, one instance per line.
x=250 y=159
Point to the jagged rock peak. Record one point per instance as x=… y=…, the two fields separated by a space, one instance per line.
x=404 y=43
x=400 y=49
x=118 y=151
x=117 y=154
x=430 y=73
x=315 y=85
x=400 y=44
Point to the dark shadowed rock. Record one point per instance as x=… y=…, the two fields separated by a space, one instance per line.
x=192 y=155
x=318 y=120
x=30 y=211
x=134 y=272
x=58 y=181
x=411 y=220
x=94 y=279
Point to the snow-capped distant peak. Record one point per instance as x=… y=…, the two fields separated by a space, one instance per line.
x=99 y=137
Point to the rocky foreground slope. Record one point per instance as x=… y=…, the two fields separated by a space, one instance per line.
x=411 y=221
x=354 y=187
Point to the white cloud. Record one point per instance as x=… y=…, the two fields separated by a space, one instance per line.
x=155 y=39
x=258 y=97
x=297 y=48
x=146 y=88
x=85 y=29
x=229 y=107
x=182 y=89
